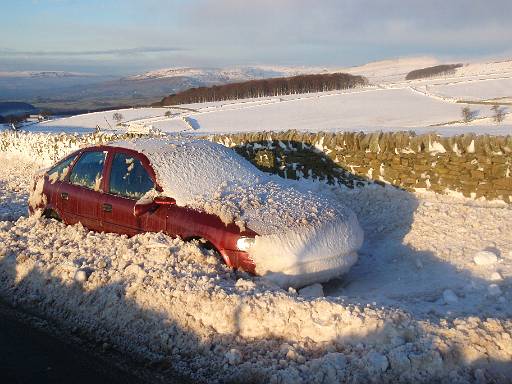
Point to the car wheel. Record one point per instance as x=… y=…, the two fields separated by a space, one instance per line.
x=206 y=246
x=51 y=214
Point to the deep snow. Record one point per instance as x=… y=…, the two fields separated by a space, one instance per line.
x=418 y=306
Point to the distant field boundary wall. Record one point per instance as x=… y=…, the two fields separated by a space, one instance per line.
x=475 y=166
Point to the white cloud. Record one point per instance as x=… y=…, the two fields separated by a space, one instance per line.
x=219 y=32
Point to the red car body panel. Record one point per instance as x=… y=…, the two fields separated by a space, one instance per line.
x=100 y=211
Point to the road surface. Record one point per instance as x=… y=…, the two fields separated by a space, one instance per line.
x=30 y=355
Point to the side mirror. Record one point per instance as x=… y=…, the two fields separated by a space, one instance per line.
x=143 y=208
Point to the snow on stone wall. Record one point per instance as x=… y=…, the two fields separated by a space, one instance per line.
x=476 y=166
x=470 y=165
x=46 y=148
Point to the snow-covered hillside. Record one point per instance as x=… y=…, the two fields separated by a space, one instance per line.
x=234 y=74
x=478 y=90
x=377 y=71
x=393 y=70
x=371 y=109
x=105 y=120
x=390 y=103
x=223 y=75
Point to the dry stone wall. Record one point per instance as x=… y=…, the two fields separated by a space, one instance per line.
x=477 y=166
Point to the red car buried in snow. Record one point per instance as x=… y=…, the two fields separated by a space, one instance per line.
x=196 y=189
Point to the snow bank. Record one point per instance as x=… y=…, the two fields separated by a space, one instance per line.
x=169 y=301
x=15 y=179
x=46 y=148
x=160 y=298
x=303 y=237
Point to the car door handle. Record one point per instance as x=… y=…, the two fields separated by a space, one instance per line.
x=107 y=207
x=64 y=195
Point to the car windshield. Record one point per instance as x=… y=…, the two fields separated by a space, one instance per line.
x=59 y=171
x=88 y=170
x=128 y=178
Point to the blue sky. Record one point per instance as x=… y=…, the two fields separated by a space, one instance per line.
x=129 y=36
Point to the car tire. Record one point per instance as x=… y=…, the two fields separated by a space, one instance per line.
x=52 y=214
x=206 y=245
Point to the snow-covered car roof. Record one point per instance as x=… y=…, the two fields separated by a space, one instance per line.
x=212 y=178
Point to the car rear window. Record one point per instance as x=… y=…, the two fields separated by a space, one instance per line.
x=88 y=170
x=60 y=170
x=128 y=178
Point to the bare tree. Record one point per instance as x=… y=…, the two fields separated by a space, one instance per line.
x=499 y=113
x=467 y=114
x=15 y=122
x=117 y=117
x=438 y=70
x=265 y=88
x=168 y=113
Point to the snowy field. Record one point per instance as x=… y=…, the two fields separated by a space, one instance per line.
x=390 y=103
x=489 y=89
x=428 y=299
x=371 y=109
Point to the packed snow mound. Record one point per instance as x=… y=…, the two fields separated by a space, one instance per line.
x=166 y=300
x=303 y=237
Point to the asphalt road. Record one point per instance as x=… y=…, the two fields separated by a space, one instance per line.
x=29 y=355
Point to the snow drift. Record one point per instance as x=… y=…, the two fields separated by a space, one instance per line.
x=170 y=301
x=302 y=237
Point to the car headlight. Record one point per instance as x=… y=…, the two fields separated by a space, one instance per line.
x=244 y=243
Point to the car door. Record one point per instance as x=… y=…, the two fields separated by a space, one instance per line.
x=56 y=178
x=81 y=193
x=128 y=179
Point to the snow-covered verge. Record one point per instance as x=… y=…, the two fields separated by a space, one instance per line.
x=423 y=304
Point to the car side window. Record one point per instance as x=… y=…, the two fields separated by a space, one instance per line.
x=128 y=177
x=59 y=171
x=88 y=170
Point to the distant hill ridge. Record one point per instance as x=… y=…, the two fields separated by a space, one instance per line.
x=43 y=74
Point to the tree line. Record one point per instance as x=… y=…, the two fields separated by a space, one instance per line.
x=444 y=69
x=265 y=87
